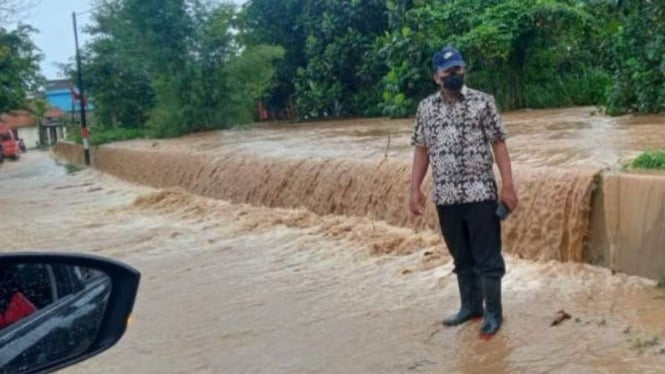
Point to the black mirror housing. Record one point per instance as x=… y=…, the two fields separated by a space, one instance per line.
x=118 y=288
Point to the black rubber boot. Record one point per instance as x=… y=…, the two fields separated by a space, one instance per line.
x=471 y=300
x=493 y=309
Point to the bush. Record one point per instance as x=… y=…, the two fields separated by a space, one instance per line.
x=73 y=169
x=587 y=88
x=638 y=59
x=104 y=136
x=650 y=160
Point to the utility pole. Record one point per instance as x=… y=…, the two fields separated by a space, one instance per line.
x=85 y=133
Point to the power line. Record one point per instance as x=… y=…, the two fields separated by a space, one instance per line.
x=90 y=10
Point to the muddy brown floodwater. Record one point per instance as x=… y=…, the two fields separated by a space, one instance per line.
x=335 y=281
x=361 y=168
x=574 y=137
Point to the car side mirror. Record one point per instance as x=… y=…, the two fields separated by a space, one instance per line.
x=59 y=309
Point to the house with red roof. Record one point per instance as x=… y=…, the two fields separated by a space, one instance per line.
x=34 y=132
x=23 y=124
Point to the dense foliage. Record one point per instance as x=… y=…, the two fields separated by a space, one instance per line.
x=19 y=68
x=373 y=57
x=638 y=57
x=169 y=67
x=173 y=66
x=650 y=160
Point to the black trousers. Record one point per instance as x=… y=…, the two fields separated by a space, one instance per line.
x=472 y=232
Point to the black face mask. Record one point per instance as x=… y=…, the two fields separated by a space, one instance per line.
x=454 y=82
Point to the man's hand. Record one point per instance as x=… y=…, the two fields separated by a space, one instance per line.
x=420 y=165
x=509 y=196
x=508 y=193
x=417 y=202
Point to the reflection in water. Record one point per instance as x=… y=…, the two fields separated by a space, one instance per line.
x=16 y=300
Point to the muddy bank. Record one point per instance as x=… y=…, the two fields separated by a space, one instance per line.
x=551 y=225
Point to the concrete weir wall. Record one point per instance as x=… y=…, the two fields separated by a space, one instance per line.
x=620 y=225
x=628 y=224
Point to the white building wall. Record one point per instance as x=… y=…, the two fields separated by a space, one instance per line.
x=30 y=136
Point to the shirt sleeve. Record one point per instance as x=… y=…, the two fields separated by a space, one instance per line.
x=418 y=134
x=492 y=125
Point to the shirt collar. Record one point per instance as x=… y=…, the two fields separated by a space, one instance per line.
x=463 y=93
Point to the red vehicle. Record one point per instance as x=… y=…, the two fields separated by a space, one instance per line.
x=10 y=146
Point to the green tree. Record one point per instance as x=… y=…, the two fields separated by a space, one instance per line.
x=19 y=68
x=120 y=88
x=270 y=22
x=325 y=70
x=533 y=50
x=339 y=34
x=638 y=57
x=174 y=66
x=116 y=77
x=530 y=53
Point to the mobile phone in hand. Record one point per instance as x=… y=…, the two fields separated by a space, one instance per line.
x=502 y=211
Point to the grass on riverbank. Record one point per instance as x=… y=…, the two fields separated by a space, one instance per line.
x=104 y=136
x=650 y=160
x=73 y=169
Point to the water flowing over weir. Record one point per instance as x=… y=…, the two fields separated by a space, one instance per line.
x=552 y=223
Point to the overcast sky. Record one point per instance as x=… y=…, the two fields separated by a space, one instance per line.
x=53 y=19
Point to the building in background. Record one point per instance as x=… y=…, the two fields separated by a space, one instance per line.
x=53 y=126
x=64 y=108
x=61 y=94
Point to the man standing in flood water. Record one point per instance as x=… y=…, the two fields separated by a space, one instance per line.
x=456 y=130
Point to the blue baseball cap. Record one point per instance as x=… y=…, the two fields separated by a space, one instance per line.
x=446 y=58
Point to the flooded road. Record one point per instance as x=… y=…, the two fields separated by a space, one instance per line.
x=234 y=288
